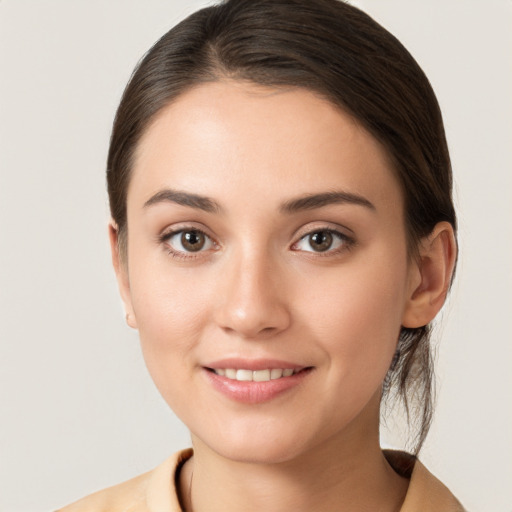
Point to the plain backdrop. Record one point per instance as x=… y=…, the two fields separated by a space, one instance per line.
x=78 y=410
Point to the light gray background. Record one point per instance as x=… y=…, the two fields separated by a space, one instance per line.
x=78 y=411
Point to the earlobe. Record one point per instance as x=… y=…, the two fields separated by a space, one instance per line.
x=121 y=271
x=433 y=274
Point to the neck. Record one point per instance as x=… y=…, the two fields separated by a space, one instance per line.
x=343 y=474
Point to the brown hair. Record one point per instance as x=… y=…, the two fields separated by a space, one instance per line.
x=339 y=52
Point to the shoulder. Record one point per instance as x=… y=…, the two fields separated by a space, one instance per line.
x=425 y=493
x=151 y=491
x=125 y=497
x=425 y=490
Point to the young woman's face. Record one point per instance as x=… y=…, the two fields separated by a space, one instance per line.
x=266 y=233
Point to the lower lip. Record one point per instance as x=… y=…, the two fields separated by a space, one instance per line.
x=251 y=392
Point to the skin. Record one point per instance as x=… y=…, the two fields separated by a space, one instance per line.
x=259 y=289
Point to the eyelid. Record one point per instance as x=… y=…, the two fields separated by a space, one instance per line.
x=348 y=241
x=185 y=226
x=337 y=230
x=173 y=230
x=313 y=227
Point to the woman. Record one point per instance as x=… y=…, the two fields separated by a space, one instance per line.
x=283 y=233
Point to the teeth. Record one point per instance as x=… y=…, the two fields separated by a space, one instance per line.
x=276 y=373
x=244 y=375
x=261 y=375
x=230 y=373
x=255 y=376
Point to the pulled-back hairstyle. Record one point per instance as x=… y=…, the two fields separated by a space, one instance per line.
x=340 y=53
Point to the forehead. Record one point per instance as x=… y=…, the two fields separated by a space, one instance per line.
x=267 y=141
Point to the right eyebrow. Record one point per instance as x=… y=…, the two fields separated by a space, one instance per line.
x=184 y=199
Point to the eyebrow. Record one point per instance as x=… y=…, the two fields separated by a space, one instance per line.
x=312 y=201
x=307 y=202
x=184 y=199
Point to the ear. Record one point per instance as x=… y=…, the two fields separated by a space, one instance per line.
x=431 y=276
x=121 y=268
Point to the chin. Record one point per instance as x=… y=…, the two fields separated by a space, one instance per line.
x=270 y=444
x=260 y=452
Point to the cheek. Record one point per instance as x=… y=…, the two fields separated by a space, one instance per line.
x=357 y=315
x=170 y=309
x=167 y=301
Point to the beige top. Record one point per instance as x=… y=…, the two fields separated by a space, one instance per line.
x=155 y=491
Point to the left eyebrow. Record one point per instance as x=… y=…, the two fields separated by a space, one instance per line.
x=312 y=201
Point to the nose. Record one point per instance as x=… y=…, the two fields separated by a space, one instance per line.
x=253 y=299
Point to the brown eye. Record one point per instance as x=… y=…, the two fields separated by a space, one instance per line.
x=320 y=241
x=192 y=241
x=188 y=241
x=323 y=240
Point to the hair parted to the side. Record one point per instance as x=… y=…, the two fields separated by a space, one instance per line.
x=340 y=53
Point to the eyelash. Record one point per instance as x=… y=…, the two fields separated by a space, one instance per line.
x=166 y=236
x=347 y=242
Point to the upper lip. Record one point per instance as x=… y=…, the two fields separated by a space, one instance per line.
x=253 y=364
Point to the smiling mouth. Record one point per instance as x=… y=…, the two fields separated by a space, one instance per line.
x=243 y=375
